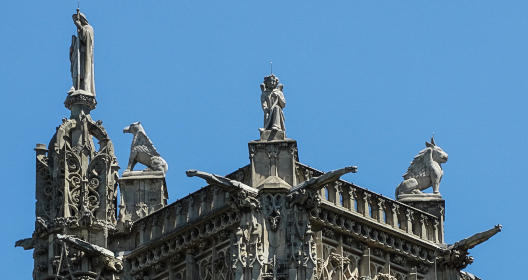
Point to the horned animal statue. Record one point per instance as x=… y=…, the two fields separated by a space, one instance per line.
x=143 y=151
x=425 y=171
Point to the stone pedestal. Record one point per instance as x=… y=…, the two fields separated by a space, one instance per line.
x=273 y=158
x=142 y=192
x=433 y=204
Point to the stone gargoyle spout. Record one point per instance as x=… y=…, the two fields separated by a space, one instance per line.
x=476 y=239
x=106 y=256
x=221 y=181
x=456 y=256
x=329 y=177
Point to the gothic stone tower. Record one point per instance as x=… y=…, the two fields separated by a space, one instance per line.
x=273 y=219
x=76 y=183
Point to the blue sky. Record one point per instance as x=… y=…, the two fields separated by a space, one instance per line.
x=366 y=83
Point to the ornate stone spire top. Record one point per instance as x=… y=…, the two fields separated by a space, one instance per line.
x=76 y=183
x=273 y=102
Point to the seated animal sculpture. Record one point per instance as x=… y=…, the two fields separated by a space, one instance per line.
x=143 y=151
x=425 y=171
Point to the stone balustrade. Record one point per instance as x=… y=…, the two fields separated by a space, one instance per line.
x=382 y=210
x=209 y=208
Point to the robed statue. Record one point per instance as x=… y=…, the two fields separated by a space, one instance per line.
x=81 y=55
x=273 y=102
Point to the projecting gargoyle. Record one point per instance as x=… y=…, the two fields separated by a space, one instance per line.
x=108 y=257
x=27 y=243
x=305 y=192
x=457 y=255
x=476 y=239
x=221 y=181
x=318 y=182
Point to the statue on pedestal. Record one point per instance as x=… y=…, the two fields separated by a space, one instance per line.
x=81 y=56
x=273 y=102
x=143 y=151
x=425 y=171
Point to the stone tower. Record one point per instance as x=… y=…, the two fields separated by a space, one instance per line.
x=76 y=187
x=272 y=219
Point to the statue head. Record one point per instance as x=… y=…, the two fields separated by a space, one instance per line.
x=81 y=17
x=438 y=154
x=271 y=82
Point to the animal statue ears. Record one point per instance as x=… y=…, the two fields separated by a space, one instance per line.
x=432 y=144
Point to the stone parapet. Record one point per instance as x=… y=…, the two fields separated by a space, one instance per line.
x=377 y=208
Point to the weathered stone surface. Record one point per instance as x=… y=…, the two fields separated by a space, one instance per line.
x=142 y=192
x=273 y=158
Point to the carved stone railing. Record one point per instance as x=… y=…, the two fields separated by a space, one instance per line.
x=377 y=208
x=206 y=216
x=207 y=202
x=185 y=225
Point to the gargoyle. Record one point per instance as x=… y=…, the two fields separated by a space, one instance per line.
x=457 y=255
x=318 y=182
x=221 y=181
x=305 y=192
x=27 y=243
x=107 y=256
x=244 y=195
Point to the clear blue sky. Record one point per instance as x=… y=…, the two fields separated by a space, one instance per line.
x=366 y=83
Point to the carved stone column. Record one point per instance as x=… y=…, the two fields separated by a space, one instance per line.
x=191 y=271
x=364 y=265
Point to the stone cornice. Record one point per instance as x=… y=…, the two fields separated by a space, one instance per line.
x=216 y=225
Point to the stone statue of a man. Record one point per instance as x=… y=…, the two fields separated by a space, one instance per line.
x=272 y=100
x=81 y=55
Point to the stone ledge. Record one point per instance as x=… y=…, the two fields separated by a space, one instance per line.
x=419 y=197
x=145 y=174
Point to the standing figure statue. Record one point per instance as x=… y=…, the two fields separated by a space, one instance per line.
x=81 y=55
x=425 y=171
x=273 y=102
